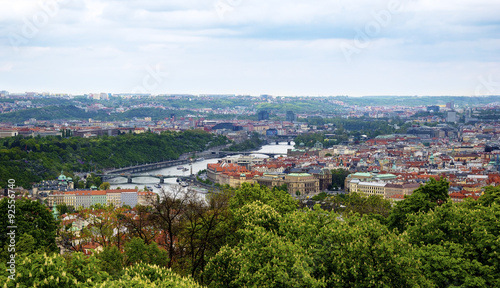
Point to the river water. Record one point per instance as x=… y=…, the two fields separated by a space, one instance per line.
x=140 y=182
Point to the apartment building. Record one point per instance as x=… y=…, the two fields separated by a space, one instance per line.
x=87 y=198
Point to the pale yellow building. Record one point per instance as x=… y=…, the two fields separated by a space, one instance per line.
x=70 y=198
x=113 y=197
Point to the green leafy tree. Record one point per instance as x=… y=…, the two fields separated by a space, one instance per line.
x=105 y=186
x=367 y=204
x=25 y=246
x=167 y=213
x=363 y=253
x=205 y=228
x=257 y=214
x=320 y=197
x=282 y=187
x=458 y=244
x=137 y=251
x=111 y=261
x=32 y=218
x=93 y=180
x=490 y=195
x=338 y=177
x=145 y=275
x=278 y=199
x=40 y=270
x=423 y=199
x=261 y=259
x=62 y=208
x=83 y=268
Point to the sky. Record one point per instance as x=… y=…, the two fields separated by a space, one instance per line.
x=251 y=47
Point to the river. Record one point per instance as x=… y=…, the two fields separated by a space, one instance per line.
x=197 y=166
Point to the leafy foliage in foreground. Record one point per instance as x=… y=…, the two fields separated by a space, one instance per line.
x=53 y=270
x=258 y=237
x=441 y=244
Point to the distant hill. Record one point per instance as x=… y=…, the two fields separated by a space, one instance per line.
x=71 y=112
x=460 y=101
x=66 y=112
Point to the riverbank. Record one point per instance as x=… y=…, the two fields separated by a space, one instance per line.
x=197 y=166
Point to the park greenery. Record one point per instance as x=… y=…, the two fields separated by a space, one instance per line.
x=253 y=236
x=33 y=159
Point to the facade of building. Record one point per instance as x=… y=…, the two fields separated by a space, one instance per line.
x=83 y=199
x=113 y=197
x=129 y=198
x=386 y=190
x=399 y=189
x=98 y=197
x=357 y=176
x=87 y=198
x=70 y=199
x=8 y=133
x=371 y=188
x=304 y=183
x=55 y=198
x=270 y=180
x=325 y=178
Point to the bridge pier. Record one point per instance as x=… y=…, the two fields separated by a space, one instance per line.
x=277 y=142
x=162 y=180
x=289 y=142
x=129 y=179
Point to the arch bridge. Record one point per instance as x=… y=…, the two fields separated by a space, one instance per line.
x=130 y=177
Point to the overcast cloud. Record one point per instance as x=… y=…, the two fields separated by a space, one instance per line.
x=315 y=47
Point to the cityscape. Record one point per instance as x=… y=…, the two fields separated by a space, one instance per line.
x=250 y=143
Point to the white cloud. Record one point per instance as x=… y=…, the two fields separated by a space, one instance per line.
x=256 y=46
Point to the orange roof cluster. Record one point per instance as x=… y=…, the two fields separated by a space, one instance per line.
x=273 y=165
x=248 y=175
x=463 y=194
x=227 y=167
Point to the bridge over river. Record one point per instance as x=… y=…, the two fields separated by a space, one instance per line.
x=138 y=171
x=130 y=177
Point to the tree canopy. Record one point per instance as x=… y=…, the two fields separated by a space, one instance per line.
x=254 y=236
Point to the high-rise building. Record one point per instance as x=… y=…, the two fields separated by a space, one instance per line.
x=451 y=116
x=263 y=115
x=433 y=108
